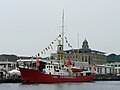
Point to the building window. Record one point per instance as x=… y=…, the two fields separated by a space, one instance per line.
x=115 y=70
x=82 y=58
x=4 y=66
x=85 y=58
x=119 y=71
x=89 y=57
x=98 y=70
x=112 y=65
x=110 y=70
x=105 y=70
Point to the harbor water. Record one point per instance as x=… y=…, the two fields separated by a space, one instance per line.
x=96 y=85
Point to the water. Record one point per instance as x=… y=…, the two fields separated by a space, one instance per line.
x=98 y=85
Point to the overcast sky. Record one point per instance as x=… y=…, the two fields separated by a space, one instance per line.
x=28 y=26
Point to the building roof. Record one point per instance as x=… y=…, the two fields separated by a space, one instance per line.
x=84 y=51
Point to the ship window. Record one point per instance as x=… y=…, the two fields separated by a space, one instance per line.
x=88 y=74
x=81 y=74
x=57 y=70
x=4 y=66
x=51 y=66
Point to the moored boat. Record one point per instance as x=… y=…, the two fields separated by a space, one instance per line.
x=56 y=72
x=35 y=76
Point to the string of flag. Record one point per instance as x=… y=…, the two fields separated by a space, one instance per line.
x=69 y=45
x=50 y=46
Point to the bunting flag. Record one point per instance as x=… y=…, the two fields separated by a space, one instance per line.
x=69 y=45
x=57 y=39
x=46 y=49
x=41 y=52
x=38 y=54
x=51 y=46
x=66 y=41
x=52 y=42
x=59 y=35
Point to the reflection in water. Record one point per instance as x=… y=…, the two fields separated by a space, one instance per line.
x=98 y=85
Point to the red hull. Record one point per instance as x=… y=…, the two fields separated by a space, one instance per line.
x=35 y=76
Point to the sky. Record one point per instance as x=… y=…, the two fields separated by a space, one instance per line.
x=29 y=26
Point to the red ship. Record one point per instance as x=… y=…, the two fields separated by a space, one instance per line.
x=55 y=72
x=52 y=72
x=35 y=76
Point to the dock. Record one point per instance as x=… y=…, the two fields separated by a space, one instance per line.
x=106 y=77
x=10 y=80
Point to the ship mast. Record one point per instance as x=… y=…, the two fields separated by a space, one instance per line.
x=60 y=50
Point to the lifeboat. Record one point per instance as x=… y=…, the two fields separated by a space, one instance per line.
x=76 y=69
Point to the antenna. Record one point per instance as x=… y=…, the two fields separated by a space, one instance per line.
x=78 y=50
x=63 y=29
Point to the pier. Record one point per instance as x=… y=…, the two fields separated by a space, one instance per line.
x=106 y=77
x=10 y=80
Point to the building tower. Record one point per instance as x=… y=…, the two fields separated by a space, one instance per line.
x=85 y=44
